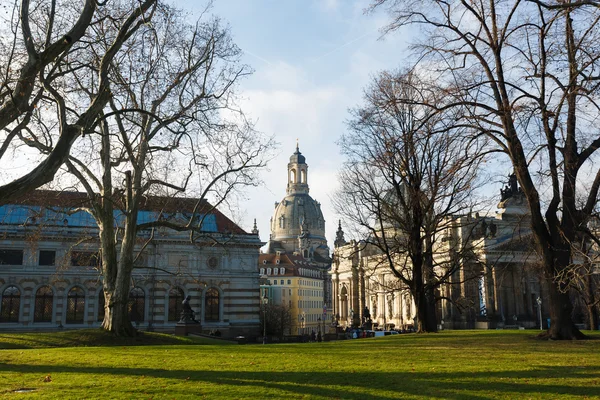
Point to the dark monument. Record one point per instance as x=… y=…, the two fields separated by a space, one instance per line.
x=187 y=324
x=512 y=189
x=187 y=314
x=367 y=321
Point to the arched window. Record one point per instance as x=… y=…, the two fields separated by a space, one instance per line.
x=282 y=222
x=282 y=271
x=137 y=303
x=11 y=301
x=101 y=303
x=293 y=176
x=303 y=176
x=43 y=305
x=262 y=271
x=175 y=300
x=211 y=305
x=75 y=305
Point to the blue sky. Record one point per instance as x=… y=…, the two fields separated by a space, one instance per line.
x=312 y=60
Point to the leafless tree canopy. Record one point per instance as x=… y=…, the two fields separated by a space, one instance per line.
x=410 y=171
x=527 y=71
x=171 y=127
x=131 y=100
x=42 y=46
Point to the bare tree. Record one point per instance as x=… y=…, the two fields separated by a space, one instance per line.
x=409 y=173
x=171 y=127
x=39 y=49
x=528 y=72
x=278 y=319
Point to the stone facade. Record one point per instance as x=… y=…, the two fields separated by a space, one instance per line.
x=49 y=274
x=501 y=286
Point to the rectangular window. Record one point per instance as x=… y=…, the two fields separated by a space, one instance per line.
x=289 y=281
x=47 y=257
x=85 y=259
x=282 y=281
x=11 y=257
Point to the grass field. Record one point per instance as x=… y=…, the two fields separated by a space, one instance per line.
x=453 y=365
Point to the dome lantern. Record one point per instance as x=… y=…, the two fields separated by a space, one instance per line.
x=297 y=173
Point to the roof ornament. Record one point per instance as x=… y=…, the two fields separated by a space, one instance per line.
x=339 y=236
x=304 y=232
x=255 y=228
x=512 y=188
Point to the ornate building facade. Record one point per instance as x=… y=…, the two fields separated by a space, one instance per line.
x=296 y=260
x=49 y=268
x=501 y=286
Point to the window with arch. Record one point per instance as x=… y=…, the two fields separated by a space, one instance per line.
x=101 y=303
x=293 y=176
x=11 y=302
x=305 y=253
x=211 y=305
x=282 y=271
x=262 y=271
x=137 y=304
x=43 y=304
x=175 y=307
x=75 y=306
x=303 y=176
x=282 y=222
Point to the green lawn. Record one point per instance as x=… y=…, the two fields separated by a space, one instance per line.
x=454 y=365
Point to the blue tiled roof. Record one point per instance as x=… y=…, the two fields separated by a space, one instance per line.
x=35 y=215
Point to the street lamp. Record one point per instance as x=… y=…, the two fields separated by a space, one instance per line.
x=265 y=302
x=539 y=303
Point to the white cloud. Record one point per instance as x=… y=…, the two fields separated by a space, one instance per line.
x=290 y=106
x=327 y=5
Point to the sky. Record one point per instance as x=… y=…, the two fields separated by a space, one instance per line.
x=311 y=60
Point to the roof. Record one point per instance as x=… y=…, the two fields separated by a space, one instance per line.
x=24 y=210
x=286 y=260
x=297 y=157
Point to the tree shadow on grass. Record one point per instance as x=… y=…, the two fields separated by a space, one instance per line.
x=346 y=385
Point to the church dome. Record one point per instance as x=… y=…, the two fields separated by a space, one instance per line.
x=298 y=222
x=296 y=213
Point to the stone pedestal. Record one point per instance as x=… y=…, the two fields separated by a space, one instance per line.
x=185 y=328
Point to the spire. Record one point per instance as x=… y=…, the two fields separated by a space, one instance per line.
x=339 y=236
x=255 y=228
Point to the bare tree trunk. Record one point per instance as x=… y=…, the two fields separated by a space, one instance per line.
x=560 y=305
x=592 y=317
x=561 y=309
x=592 y=308
x=116 y=314
x=116 y=288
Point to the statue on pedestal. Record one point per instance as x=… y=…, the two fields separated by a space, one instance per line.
x=187 y=314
